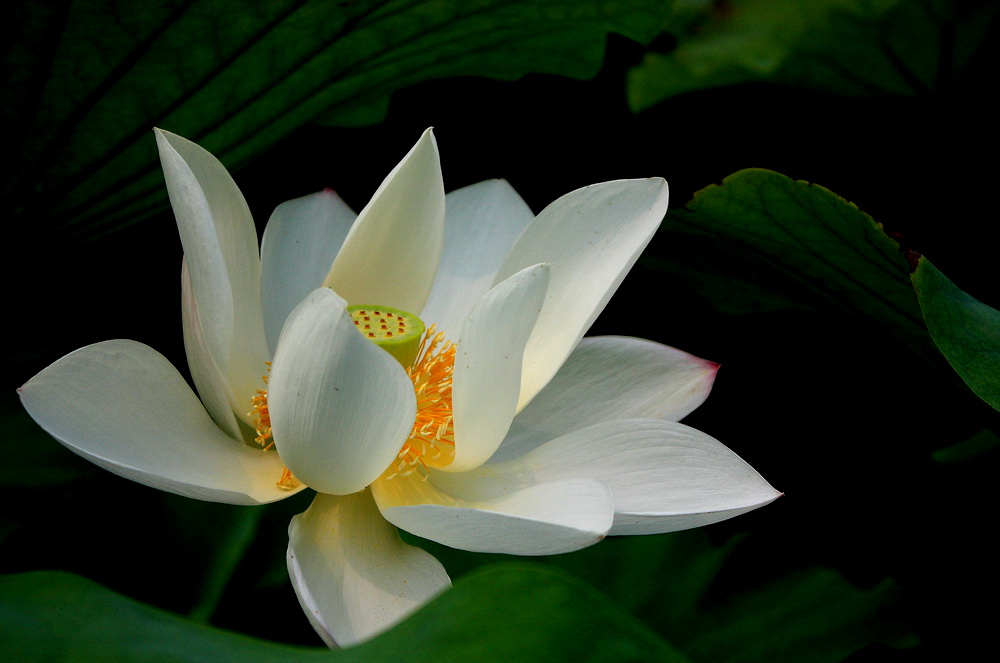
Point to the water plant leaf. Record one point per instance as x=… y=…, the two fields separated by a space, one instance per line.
x=87 y=80
x=510 y=611
x=966 y=330
x=850 y=47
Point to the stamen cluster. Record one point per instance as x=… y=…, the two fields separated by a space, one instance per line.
x=432 y=440
x=261 y=415
x=264 y=438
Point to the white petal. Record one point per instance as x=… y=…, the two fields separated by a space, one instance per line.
x=121 y=404
x=592 y=237
x=612 y=377
x=664 y=476
x=482 y=222
x=542 y=519
x=352 y=573
x=301 y=239
x=340 y=406
x=211 y=382
x=487 y=377
x=391 y=255
x=220 y=246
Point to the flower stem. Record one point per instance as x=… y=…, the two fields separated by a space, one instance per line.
x=237 y=539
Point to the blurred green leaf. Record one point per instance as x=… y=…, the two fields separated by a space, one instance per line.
x=86 y=80
x=965 y=330
x=808 y=616
x=851 y=47
x=720 y=603
x=684 y=563
x=506 y=612
x=973 y=449
x=48 y=616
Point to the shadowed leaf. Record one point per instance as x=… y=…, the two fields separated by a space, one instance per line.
x=90 y=78
x=966 y=331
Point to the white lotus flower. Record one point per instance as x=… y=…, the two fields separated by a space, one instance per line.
x=518 y=438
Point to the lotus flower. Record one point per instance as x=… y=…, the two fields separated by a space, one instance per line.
x=498 y=429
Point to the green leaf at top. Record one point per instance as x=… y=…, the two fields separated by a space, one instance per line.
x=88 y=79
x=851 y=47
x=512 y=612
x=966 y=330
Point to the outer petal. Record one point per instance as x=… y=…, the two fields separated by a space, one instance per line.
x=302 y=238
x=220 y=246
x=123 y=406
x=541 y=519
x=209 y=379
x=340 y=406
x=352 y=573
x=482 y=222
x=607 y=378
x=391 y=255
x=592 y=237
x=487 y=377
x=664 y=476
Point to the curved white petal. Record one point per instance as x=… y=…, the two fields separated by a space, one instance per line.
x=211 y=383
x=664 y=476
x=340 y=406
x=541 y=519
x=301 y=239
x=487 y=378
x=592 y=237
x=611 y=377
x=352 y=573
x=220 y=246
x=121 y=405
x=482 y=222
x=391 y=254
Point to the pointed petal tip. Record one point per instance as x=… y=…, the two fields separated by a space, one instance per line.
x=427 y=139
x=171 y=142
x=163 y=135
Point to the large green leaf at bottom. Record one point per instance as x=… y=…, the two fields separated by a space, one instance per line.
x=966 y=330
x=505 y=612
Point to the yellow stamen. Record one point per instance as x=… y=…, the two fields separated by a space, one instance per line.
x=264 y=438
x=288 y=480
x=432 y=438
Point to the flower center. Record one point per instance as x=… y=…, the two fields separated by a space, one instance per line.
x=429 y=361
